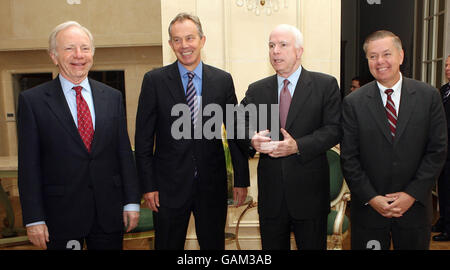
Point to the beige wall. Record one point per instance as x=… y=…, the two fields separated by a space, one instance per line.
x=237 y=41
x=26 y=24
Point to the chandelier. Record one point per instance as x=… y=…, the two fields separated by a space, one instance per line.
x=258 y=6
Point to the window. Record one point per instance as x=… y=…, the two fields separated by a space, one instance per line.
x=113 y=78
x=430 y=22
x=24 y=81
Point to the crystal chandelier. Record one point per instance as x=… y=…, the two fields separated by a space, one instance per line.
x=258 y=6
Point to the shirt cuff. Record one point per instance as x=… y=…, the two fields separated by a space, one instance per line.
x=132 y=207
x=35 y=223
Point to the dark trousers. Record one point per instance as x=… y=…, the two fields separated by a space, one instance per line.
x=310 y=234
x=210 y=217
x=380 y=238
x=97 y=239
x=444 y=197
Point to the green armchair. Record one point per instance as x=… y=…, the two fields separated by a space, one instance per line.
x=145 y=228
x=338 y=223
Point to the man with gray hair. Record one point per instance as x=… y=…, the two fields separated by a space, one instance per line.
x=77 y=177
x=393 y=148
x=293 y=174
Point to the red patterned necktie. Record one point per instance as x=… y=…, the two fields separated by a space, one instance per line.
x=285 y=102
x=85 y=127
x=390 y=112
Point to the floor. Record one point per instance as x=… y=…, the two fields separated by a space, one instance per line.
x=143 y=244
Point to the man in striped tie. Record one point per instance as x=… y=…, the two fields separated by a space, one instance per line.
x=393 y=149
x=187 y=175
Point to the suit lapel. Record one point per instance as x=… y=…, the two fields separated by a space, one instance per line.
x=270 y=97
x=407 y=104
x=206 y=86
x=375 y=106
x=101 y=111
x=301 y=95
x=58 y=105
x=272 y=90
x=174 y=84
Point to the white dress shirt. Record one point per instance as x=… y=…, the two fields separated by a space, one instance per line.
x=395 y=95
x=293 y=79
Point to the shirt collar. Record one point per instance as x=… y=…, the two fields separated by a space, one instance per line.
x=197 y=71
x=293 y=79
x=67 y=85
x=397 y=88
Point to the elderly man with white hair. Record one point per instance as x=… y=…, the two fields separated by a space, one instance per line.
x=77 y=178
x=293 y=174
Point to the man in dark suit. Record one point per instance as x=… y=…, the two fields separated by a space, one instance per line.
x=181 y=176
x=443 y=223
x=393 y=149
x=77 y=178
x=293 y=174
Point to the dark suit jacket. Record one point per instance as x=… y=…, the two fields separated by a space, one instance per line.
x=313 y=121
x=374 y=165
x=447 y=114
x=60 y=182
x=166 y=164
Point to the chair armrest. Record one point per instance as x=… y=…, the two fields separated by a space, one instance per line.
x=340 y=208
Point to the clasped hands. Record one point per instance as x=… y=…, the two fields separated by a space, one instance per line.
x=264 y=144
x=393 y=204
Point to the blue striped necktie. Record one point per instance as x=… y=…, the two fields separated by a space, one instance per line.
x=191 y=97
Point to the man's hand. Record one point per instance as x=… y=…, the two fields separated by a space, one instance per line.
x=286 y=147
x=239 y=195
x=152 y=200
x=38 y=235
x=382 y=205
x=130 y=219
x=402 y=201
x=260 y=140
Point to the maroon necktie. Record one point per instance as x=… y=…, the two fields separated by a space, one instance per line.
x=390 y=112
x=285 y=102
x=85 y=127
